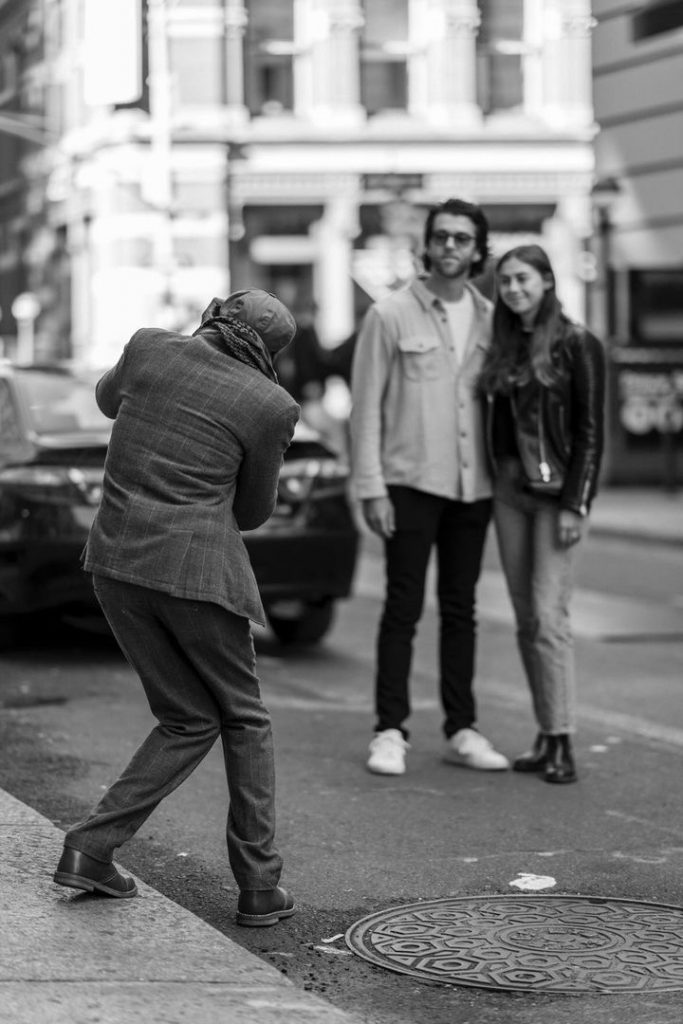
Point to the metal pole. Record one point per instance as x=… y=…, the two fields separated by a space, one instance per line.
x=669 y=436
x=25 y=340
x=160 y=106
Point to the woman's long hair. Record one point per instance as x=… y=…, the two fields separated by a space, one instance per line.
x=517 y=356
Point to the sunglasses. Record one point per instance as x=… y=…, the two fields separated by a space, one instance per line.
x=459 y=238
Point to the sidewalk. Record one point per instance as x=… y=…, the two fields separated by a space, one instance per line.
x=630 y=513
x=638 y=513
x=69 y=958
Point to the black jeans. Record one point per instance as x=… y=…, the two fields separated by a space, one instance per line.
x=458 y=529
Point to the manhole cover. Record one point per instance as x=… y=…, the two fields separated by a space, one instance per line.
x=529 y=943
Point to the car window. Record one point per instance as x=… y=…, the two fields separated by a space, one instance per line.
x=62 y=404
x=9 y=421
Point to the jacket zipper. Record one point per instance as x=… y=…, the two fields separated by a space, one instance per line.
x=489 y=432
x=543 y=464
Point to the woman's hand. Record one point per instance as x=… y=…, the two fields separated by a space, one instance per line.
x=570 y=527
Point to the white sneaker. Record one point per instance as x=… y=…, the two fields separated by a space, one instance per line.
x=469 y=748
x=388 y=753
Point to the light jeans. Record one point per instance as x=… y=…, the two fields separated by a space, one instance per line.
x=539 y=572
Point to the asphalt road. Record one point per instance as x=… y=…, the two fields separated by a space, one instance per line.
x=355 y=843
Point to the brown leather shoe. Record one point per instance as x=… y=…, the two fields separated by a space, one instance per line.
x=258 y=908
x=79 y=871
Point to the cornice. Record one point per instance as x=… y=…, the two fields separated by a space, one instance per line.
x=514 y=185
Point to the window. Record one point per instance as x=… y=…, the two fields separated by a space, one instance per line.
x=658 y=17
x=55 y=25
x=62 y=404
x=9 y=424
x=281 y=220
x=384 y=53
x=197 y=66
x=32 y=93
x=8 y=75
x=500 y=49
x=656 y=306
x=201 y=250
x=201 y=198
x=269 y=55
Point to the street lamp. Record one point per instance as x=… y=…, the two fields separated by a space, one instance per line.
x=236 y=229
x=603 y=195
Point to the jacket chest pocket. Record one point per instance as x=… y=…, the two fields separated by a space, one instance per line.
x=421 y=357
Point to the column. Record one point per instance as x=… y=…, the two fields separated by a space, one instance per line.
x=81 y=277
x=566 y=60
x=565 y=236
x=443 y=65
x=333 y=284
x=235 y=23
x=326 y=64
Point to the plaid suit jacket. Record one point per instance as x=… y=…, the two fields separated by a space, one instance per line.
x=194 y=457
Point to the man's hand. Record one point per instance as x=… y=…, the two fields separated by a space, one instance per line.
x=570 y=527
x=379 y=515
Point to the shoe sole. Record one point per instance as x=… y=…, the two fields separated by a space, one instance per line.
x=476 y=767
x=263 y=920
x=89 y=885
x=383 y=771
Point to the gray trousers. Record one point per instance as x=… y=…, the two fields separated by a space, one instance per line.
x=196 y=663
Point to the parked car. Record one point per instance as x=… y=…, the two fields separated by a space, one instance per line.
x=53 y=442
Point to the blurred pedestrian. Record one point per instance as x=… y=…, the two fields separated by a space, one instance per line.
x=200 y=429
x=340 y=358
x=302 y=368
x=544 y=377
x=420 y=472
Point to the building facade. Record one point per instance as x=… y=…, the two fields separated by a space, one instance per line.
x=638 y=98
x=192 y=147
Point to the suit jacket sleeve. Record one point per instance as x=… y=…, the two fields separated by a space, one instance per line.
x=257 y=480
x=108 y=388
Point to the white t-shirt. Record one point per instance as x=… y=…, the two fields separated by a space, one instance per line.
x=460 y=316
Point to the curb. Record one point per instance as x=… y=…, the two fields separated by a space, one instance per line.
x=68 y=957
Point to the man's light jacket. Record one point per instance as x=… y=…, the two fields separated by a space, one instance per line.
x=416 y=418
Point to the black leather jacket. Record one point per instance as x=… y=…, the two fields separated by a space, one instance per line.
x=560 y=427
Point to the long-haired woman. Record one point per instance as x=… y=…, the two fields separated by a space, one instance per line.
x=544 y=381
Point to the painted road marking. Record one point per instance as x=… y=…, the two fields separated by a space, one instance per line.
x=533 y=883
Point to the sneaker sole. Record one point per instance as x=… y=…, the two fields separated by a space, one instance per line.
x=385 y=771
x=462 y=763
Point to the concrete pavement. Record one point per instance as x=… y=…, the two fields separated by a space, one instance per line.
x=637 y=513
x=69 y=958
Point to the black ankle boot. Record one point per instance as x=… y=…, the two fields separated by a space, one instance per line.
x=533 y=760
x=560 y=765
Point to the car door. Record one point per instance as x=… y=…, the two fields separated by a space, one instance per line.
x=12 y=450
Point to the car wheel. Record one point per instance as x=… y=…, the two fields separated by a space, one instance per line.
x=12 y=631
x=300 y=622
